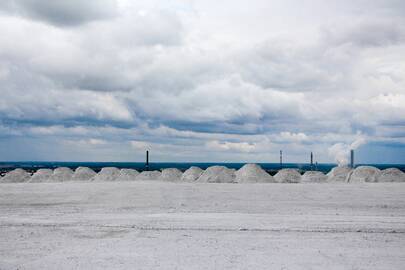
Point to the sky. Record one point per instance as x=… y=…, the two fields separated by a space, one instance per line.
x=202 y=80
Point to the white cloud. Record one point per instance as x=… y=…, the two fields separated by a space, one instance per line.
x=215 y=78
x=93 y=141
x=140 y=145
x=231 y=146
x=293 y=137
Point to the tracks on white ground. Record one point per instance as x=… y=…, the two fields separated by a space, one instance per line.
x=157 y=228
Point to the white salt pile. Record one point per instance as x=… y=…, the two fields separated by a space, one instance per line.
x=253 y=173
x=217 y=174
x=364 y=174
x=127 y=175
x=62 y=174
x=42 y=175
x=313 y=177
x=149 y=175
x=288 y=176
x=391 y=175
x=192 y=174
x=16 y=176
x=171 y=175
x=339 y=174
x=107 y=174
x=83 y=174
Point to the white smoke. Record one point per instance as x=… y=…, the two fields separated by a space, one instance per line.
x=341 y=151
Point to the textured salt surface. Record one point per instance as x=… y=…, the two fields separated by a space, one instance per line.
x=159 y=225
x=62 y=174
x=288 y=176
x=127 y=175
x=217 y=174
x=391 y=175
x=364 y=174
x=192 y=174
x=42 y=175
x=149 y=175
x=313 y=177
x=107 y=174
x=171 y=175
x=339 y=174
x=83 y=174
x=16 y=176
x=253 y=173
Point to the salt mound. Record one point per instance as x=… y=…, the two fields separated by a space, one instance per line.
x=391 y=175
x=42 y=175
x=107 y=174
x=192 y=174
x=364 y=174
x=149 y=175
x=253 y=173
x=171 y=175
x=127 y=175
x=62 y=174
x=339 y=174
x=313 y=177
x=16 y=176
x=83 y=174
x=288 y=176
x=218 y=174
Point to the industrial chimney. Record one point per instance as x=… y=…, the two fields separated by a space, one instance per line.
x=312 y=162
x=147 y=161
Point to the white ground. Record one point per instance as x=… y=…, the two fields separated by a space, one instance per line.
x=157 y=225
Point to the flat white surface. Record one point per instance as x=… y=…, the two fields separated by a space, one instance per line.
x=157 y=225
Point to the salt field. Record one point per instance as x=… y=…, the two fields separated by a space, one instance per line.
x=165 y=225
x=216 y=218
x=229 y=135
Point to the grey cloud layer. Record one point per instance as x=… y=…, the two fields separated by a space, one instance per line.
x=62 y=13
x=140 y=70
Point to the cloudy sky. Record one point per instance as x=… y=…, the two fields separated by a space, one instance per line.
x=202 y=80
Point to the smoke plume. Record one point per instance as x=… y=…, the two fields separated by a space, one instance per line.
x=341 y=151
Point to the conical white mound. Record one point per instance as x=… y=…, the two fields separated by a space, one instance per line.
x=339 y=174
x=391 y=175
x=149 y=175
x=62 y=174
x=364 y=174
x=253 y=173
x=192 y=174
x=41 y=176
x=107 y=174
x=16 y=176
x=127 y=175
x=171 y=175
x=313 y=177
x=288 y=176
x=217 y=174
x=83 y=174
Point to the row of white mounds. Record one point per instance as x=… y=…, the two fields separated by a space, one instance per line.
x=365 y=174
x=249 y=173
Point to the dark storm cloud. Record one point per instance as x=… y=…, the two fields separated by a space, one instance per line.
x=61 y=13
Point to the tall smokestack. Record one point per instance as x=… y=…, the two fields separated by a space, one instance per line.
x=312 y=161
x=352 y=158
x=147 y=160
x=281 y=159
